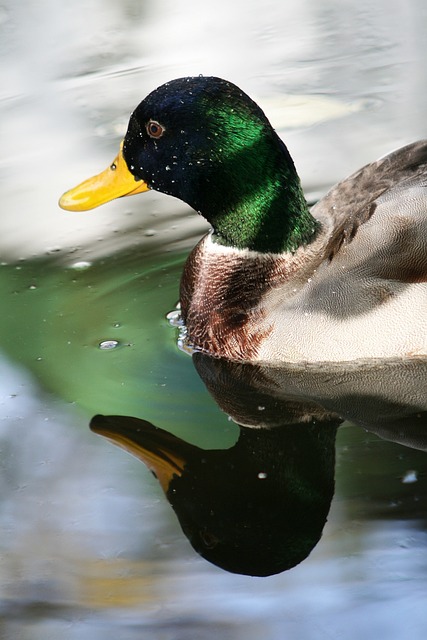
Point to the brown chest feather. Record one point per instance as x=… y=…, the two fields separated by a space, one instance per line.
x=221 y=295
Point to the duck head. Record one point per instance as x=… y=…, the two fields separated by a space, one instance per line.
x=204 y=141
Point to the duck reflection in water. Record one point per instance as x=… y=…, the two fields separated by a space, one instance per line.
x=259 y=507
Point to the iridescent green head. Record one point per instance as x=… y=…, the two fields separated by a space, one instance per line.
x=204 y=141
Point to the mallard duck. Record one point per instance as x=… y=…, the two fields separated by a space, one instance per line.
x=274 y=281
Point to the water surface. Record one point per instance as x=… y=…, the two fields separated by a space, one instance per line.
x=90 y=548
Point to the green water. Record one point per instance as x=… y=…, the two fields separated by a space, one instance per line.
x=57 y=320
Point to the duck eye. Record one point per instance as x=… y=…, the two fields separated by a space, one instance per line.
x=154 y=129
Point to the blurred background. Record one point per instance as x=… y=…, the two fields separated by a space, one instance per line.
x=89 y=549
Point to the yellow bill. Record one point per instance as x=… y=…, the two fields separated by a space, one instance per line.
x=116 y=181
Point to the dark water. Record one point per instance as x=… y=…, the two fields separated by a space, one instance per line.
x=90 y=547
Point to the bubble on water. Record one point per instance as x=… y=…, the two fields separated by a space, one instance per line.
x=80 y=265
x=106 y=345
x=149 y=232
x=116 y=325
x=32 y=287
x=174 y=318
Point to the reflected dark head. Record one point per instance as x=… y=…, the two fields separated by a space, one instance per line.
x=257 y=511
x=257 y=508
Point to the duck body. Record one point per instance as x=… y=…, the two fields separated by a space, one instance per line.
x=357 y=291
x=274 y=281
